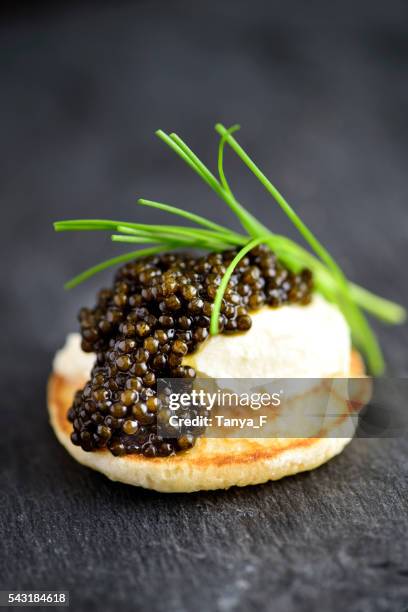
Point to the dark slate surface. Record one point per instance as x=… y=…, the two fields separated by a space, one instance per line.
x=321 y=91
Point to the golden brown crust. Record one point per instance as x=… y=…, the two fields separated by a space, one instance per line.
x=213 y=462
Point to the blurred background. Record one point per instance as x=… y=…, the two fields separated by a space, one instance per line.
x=321 y=92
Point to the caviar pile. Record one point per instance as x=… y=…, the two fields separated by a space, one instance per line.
x=158 y=311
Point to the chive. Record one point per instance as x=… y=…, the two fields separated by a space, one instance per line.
x=224 y=282
x=188 y=232
x=85 y=224
x=383 y=309
x=221 y=147
x=186 y=214
x=134 y=239
x=293 y=216
x=200 y=167
x=329 y=279
x=181 y=153
x=175 y=241
x=108 y=263
x=248 y=221
x=362 y=332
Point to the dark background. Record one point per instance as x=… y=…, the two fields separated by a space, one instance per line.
x=321 y=91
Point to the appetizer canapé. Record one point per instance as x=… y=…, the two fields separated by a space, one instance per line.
x=254 y=306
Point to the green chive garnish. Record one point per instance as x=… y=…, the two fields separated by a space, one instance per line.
x=329 y=279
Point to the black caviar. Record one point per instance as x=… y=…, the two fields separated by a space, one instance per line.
x=157 y=311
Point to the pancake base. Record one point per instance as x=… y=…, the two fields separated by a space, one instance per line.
x=213 y=463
